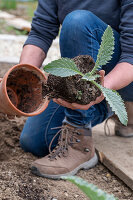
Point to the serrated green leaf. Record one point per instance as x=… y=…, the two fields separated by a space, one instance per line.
x=62 y=67
x=106 y=49
x=115 y=101
x=89 y=77
x=91 y=191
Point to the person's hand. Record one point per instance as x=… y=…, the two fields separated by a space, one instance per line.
x=74 y=106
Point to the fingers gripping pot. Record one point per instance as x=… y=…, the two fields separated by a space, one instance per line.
x=21 y=91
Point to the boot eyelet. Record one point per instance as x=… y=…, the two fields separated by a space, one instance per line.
x=78 y=140
x=86 y=150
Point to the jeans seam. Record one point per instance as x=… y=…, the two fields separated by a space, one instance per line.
x=49 y=123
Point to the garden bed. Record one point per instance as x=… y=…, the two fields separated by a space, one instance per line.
x=16 y=180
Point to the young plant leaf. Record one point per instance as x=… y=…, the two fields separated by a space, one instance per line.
x=115 y=101
x=91 y=191
x=89 y=77
x=106 y=49
x=62 y=67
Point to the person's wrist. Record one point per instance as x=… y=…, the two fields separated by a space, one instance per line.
x=108 y=83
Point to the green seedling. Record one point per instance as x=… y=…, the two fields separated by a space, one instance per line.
x=65 y=67
x=91 y=191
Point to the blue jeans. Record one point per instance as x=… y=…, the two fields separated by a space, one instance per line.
x=80 y=35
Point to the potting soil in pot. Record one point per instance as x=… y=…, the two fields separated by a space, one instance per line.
x=28 y=88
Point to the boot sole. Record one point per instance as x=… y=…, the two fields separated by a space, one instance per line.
x=117 y=133
x=86 y=165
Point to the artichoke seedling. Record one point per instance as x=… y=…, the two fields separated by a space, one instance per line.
x=66 y=68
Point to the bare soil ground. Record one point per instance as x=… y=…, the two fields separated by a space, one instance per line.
x=17 y=182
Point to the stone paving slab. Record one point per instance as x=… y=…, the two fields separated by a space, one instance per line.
x=11 y=48
x=5 y=15
x=116 y=153
x=20 y=24
x=14 y=21
x=11 y=45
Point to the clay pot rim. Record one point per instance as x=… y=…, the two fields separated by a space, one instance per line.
x=21 y=113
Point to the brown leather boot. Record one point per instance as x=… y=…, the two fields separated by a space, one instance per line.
x=121 y=130
x=125 y=131
x=74 y=151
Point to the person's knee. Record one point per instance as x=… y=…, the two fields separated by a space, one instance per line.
x=29 y=144
x=78 y=19
x=24 y=142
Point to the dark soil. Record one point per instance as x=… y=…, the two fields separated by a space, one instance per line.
x=18 y=183
x=73 y=88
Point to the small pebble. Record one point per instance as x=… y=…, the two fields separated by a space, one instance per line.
x=105 y=178
x=66 y=194
x=76 y=195
x=108 y=175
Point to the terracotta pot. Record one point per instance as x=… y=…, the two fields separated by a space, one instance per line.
x=21 y=91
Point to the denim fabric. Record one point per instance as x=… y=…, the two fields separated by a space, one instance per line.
x=80 y=35
x=38 y=133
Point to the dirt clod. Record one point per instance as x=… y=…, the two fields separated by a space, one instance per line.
x=73 y=88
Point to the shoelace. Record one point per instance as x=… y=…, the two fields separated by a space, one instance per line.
x=66 y=137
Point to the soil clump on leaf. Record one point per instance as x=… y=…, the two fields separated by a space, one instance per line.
x=74 y=88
